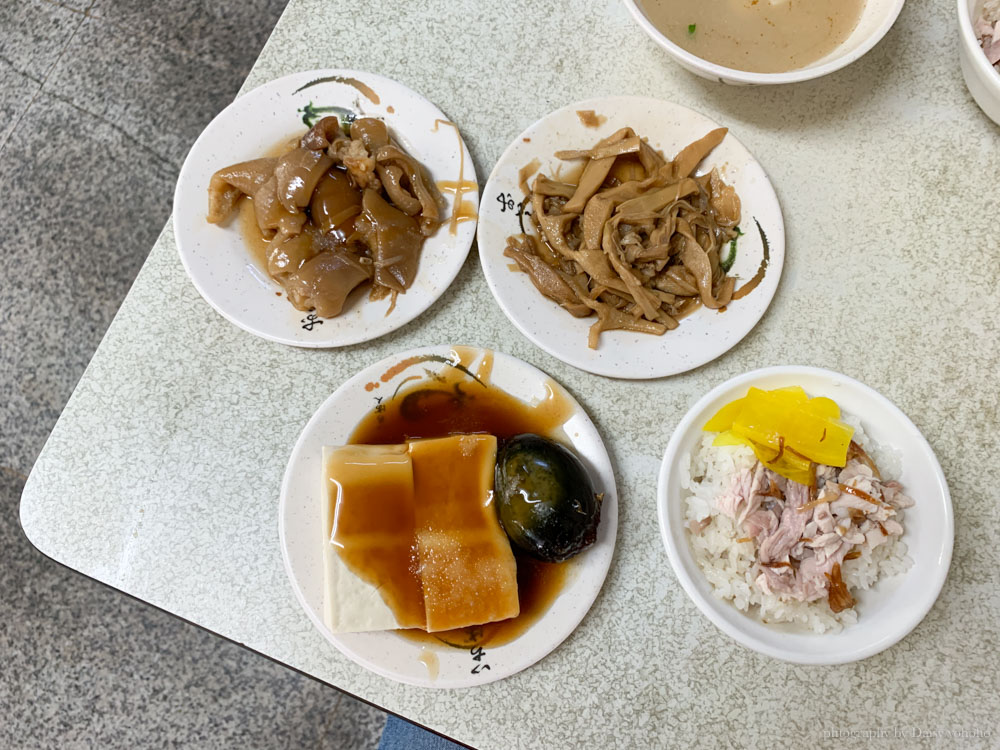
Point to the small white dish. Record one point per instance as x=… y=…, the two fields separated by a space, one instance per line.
x=876 y=19
x=982 y=78
x=216 y=257
x=702 y=336
x=887 y=611
x=300 y=528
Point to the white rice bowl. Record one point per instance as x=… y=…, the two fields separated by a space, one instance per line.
x=730 y=565
x=891 y=608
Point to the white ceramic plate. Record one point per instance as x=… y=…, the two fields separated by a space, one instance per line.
x=387 y=653
x=887 y=611
x=702 y=336
x=216 y=257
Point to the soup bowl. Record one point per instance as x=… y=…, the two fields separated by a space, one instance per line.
x=876 y=19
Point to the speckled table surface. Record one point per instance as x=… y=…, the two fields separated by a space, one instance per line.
x=162 y=476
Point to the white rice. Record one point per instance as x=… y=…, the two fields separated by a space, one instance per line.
x=727 y=564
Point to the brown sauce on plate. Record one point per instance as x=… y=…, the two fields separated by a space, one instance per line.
x=430 y=660
x=462 y=212
x=464 y=402
x=590 y=119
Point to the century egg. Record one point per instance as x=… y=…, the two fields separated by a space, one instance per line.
x=545 y=499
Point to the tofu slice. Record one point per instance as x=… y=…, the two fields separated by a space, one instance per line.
x=467 y=569
x=370 y=578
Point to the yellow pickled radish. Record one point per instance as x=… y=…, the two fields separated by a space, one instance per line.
x=824 y=441
x=760 y=419
x=792 y=467
x=730 y=438
x=821 y=406
x=787 y=430
x=788 y=465
x=723 y=419
x=797 y=390
x=791 y=397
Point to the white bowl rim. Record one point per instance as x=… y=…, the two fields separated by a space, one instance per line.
x=725 y=74
x=972 y=44
x=934 y=585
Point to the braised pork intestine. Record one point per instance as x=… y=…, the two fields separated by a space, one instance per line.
x=638 y=241
x=337 y=210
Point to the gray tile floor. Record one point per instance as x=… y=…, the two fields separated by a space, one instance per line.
x=99 y=102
